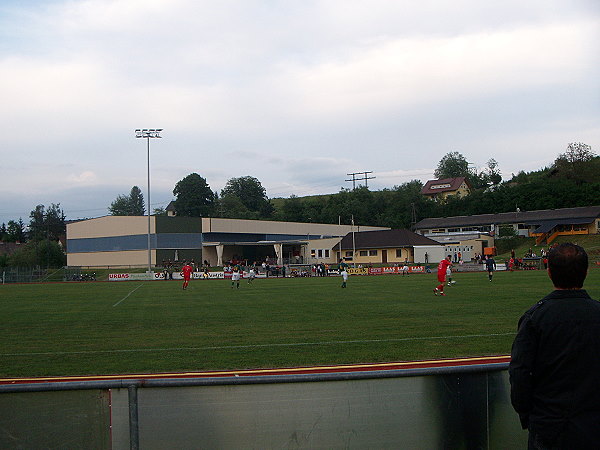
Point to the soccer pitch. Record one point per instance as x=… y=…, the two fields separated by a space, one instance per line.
x=154 y=327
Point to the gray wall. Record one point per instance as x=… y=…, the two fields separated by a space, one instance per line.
x=451 y=410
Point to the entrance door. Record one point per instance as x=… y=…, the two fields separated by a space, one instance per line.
x=384 y=256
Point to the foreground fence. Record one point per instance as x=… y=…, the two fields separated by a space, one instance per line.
x=440 y=407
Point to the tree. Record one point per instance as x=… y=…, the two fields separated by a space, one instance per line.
x=251 y=193
x=293 y=210
x=578 y=152
x=578 y=163
x=128 y=205
x=231 y=207
x=47 y=223
x=193 y=197
x=15 y=231
x=491 y=175
x=38 y=253
x=452 y=165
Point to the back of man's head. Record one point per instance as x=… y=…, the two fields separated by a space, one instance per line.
x=567 y=266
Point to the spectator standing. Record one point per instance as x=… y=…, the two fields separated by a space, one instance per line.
x=555 y=363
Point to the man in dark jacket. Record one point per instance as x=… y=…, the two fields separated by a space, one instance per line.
x=555 y=365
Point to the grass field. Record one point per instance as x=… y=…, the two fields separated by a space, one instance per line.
x=147 y=327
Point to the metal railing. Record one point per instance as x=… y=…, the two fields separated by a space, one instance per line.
x=430 y=399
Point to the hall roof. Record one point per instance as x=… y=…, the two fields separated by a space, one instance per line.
x=384 y=239
x=527 y=217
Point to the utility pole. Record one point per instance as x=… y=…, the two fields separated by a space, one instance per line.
x=413 y=220
x=354 y=179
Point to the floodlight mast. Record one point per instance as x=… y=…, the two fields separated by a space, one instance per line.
x=148 y=133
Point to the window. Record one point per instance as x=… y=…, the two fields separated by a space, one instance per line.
x=438 y=230
x=398 y=253
x=313 y=252
x=453 y=230
x=320 y=253
x=363 y=253
x=348 y=254
x=372 y=252
x=326 y=253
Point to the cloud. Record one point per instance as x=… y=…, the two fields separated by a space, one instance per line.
x=297 y=94
x=87 y=177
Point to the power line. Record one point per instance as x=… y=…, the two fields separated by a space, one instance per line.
x=355 y=179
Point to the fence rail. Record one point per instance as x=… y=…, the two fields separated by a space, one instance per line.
x=437 y=407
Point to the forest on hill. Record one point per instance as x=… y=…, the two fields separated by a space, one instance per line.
x=572 y=180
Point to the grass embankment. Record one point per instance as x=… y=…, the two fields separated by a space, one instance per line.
x=590 y=242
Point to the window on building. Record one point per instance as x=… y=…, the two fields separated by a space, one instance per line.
x=320 y=253
x=372 y=252
x=348 y=254
x=313 y=252
x=363 y=253
x=398 y=253
x=326 y=253
x=438 y=230
x=453 y=230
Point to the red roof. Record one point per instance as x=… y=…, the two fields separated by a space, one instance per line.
x=433 y=187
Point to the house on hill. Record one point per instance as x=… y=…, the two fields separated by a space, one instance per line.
x=439 y=190
x=388 y=247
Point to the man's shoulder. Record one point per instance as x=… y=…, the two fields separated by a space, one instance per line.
x=563 y=303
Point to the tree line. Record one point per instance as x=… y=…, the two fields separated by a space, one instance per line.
x=39 y=242
x=572 y=180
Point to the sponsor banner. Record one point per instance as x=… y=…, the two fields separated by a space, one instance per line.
x=357 y=271
x=227 y=275
x=246 y=275
x=387 y=270
x=161 y=276
x=118 y=277
x=195 y=275
x=129 y=277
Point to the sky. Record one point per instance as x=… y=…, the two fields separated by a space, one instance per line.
x=298 y=94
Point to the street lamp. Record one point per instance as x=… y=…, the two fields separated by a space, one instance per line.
x=148 y=134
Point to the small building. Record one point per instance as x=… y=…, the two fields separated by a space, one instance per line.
x=440 y=190
x=170 y=209
x=388 y=247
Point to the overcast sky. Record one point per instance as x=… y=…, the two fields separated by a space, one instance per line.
x=295 y=93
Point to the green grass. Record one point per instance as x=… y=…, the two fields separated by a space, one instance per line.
x=147 y=327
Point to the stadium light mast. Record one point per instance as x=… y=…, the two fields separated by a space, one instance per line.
x=148 y=134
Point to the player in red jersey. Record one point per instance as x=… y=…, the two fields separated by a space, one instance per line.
x=441 y=274
x=187 y=271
